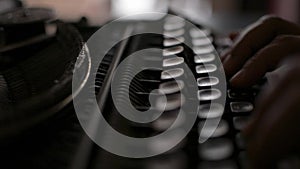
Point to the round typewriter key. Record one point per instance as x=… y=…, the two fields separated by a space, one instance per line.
x=173 y=41
x=174 y=19
x=171 y=103
x=161 y=143
x=209 y=94
x=207 y=81
x=199 y=50
x=173 y=61
x=202 y=41
x=171 y=87
x=213 y=110
x=240 y=122
x=199 y=33
x=172 y=73
x=204 y=58
x=206 y=128
x=174 y=26
x=240 y=141
x=174 y=33
x=207 y=68
x=216 y=149
x=241 y=107
x=163 y=123
x=172 y=51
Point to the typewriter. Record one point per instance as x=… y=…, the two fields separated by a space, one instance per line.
x=39 y=126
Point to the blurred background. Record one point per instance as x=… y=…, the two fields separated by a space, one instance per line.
x=222 y=15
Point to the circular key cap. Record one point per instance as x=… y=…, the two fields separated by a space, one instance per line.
x=209 y=94
x=217 y=149
x=213 y=110
x=207 y=127
x=172 y=73
x=204 y=58
x=172 y=51
x=171 y=87
x=207 y=81
x=199 y=33
x=207 y=68
x=173 y=41
x=174 y=33
x=200 y=50
x=172 y=61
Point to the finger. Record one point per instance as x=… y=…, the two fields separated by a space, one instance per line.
x=265 y=60
x=263 y=102
x=234 y=35
x=255 y=37
x=278 y=131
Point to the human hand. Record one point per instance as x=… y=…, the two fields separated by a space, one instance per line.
x=273 y=133
x=259 y=49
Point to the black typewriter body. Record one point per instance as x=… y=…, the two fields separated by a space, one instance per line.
x=39 y=126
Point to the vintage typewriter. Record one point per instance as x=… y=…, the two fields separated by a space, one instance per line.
x=39 y=126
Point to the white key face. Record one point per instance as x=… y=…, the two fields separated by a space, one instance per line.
x=200 y=50
x=172 y=73
x=207 y=127
x=204 y=58
x=218 y=149
x=173 y=26
x=207 y=68
x=212 y=110
x=174 y=33
x=241 y=107
x=240 y=122
x=172 y=61
x=164 y=123
x=174 y=102
x=207 y=81
x=209 y=94
x=171 y=87
x=202 y=41
x=173 y=41
x=173 y=19
x=172 y=51
x=199 y=33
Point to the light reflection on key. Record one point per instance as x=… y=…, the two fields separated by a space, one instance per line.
x=174 y=34
x=239 y=107
x=163 y=123
x=240 y=122
x=199 y=33
x=209 y=94
x=208 y=127
x=216 y=149
x=174 y=26
x=212 y=110
x=207 y=81
x=207 y=68
x=172 y=51
x=171 y=103
x=171 y=87
x=204 y=58
x=173 y=41
x=202 y=41
x=200 y=50
x=172 y=73
x=173 y=61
